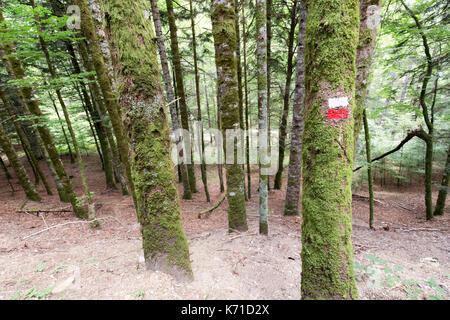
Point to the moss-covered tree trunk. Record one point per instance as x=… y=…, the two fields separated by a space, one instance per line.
x=26 y=143
x=369 y=14
x=286 y=98
x=330 y=59
x=8 y=175
x=443 y=188
x=224 y=32
x=51 y=70
x=61 y=124
x=24 y=180
x=220 y=150
x=98 y=124
x=100 y=107
x=261 y=57
x=247 y=127
x=105 y=79
x=176 y=59
x=187 y=194
x=157 y=201
x=16 y=71
x=369 y=168
x=292 y=201
x=201 y=144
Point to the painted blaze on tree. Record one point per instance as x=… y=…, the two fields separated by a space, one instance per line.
x=157 y=201
x=330 y=61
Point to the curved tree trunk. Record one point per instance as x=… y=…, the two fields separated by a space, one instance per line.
x=16 y=71
x=24 y=180
x=158 y=207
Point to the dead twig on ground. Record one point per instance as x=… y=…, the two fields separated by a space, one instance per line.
x=69 y=223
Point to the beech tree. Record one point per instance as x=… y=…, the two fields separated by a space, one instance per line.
x=157 y=202
x=224 y=31
x=327 y=254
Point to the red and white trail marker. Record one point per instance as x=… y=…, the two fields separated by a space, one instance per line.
x=335 y=108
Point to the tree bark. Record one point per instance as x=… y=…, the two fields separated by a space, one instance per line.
x=286 y=101
x=51 y=69
x=369 y=169
x=443 y=188
x=16 y=71
x=261 y=54
x=224 y=32
x=105 y=78
x=201 y=145
x=99 y=126
x=141 y=97
x=247 y=127
x=368 y=14
x=26 y=143
x=180 y=90
x=24 y=180
x=291 y=206
x=187 y=194
x=327 y=254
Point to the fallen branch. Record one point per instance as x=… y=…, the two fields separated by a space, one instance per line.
x=68 y=223
x=366 y=198
x=207 y=211
x=37 y=212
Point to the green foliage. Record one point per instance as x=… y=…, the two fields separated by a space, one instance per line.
x=378 y=273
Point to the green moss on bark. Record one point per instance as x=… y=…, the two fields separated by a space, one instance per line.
x=330 y=59
x=157 y=201
x=224 y=32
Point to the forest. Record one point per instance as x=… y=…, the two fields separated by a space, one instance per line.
x=224 y=149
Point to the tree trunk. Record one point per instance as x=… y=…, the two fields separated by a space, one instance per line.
x=24 y=180
x=158 y=207
x=224 y=31
x=291 y=206
x=99 y=126
x=91 y=213
x=61 y=124
x=8 y=175
x=327 y=254
x=201 y=145
x=239 y=77
x=16 y=71
x=105 y=79
x=369 y=169
x=369 y=14
x=443 y=188
x=181 y=94
x=247 y=127
x=187 y=194
x=100 y=107
x=26 y=144
x=286 y=101
x=261 y=54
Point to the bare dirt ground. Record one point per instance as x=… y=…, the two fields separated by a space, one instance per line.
x=407 y=257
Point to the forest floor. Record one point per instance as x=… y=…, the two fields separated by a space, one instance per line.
x=406 y=257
